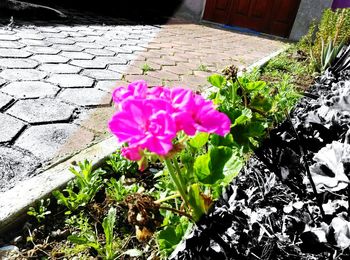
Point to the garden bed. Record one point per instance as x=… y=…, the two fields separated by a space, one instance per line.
x=173 y=185
x=107 y=206
x=271 y=211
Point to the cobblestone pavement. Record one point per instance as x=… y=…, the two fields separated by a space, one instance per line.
x=56 y=79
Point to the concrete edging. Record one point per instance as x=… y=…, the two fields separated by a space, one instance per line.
x=15 y=202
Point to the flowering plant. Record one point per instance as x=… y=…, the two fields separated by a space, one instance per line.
x=159 y=121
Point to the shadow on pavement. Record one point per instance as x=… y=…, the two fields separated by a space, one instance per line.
x=135 y=11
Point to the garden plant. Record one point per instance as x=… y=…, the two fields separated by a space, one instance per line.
x=172 y=175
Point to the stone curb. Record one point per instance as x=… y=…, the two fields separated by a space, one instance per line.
x=15 y=202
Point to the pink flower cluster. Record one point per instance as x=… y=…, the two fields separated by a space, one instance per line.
x=149 y=118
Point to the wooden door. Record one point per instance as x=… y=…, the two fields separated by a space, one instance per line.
x=269 y=16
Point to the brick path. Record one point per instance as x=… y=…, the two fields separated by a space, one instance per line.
x=56 y=79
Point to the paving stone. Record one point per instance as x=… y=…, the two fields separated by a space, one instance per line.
x=179 y=70
x=31 y=36
x=126 y=69
x=109 y=85
x=64 y=47
x=43 y=58
x=8 y=37
x=14 y=53
x=47 y=29
x=84 y=39
x=102 y=74
x=30 y=42
x=150 y=80
x=162 y=61
x=30 y=89
x=77 y=55
x=4 y=100
x=65 y=41
x=89 y=64
x=70 y=80
x=90 y=45
x=9 y=127
x=22 y=74
x=18 y=63
x=60 y=68
x=100 y=52
x=42 y=50
x=95 y=119
x=163 y=75
x=10 y=44
x=53 y=140
x=42 y=110
x=15 y=165
x=111 y=60
x=86 y=97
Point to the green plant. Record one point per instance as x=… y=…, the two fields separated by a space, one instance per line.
x=120 y=165
x=40 y=211
x=171 y=235
x=252 y=106
x=90 y=239
x=203 y=67
x=146 y=68
x=328 y=54
x=117 y=190
x=82 y=189
x=332 y=33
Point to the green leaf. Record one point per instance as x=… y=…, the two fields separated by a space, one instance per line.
x=199 y=140
x=255 y=86
x=201 y=166
x=209 y=167
x=108 y=225
x=232 y=168
x=196 y=201
x=244 y=117
x=218 y=140
x=216 y=80
x=218 y=158
x=79 y=240
x=260 y=102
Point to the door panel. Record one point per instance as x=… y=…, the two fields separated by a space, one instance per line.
x=268 y=16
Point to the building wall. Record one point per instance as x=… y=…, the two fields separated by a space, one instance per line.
x=308 y=11
x=191 y=9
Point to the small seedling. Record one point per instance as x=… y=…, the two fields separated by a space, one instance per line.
x=203 y=67
x=40 y=211
x=146 y=68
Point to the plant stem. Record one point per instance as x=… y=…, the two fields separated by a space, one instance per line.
x=176 y=180
x=182 y=213
x=243 y=93
x=168 y=198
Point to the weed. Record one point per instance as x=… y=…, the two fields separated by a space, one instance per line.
x=146 y=68
x=117 y=190
x=120 y=165
x=40 y=211
x=87 y=238
x=203 y=67
x=82 y=189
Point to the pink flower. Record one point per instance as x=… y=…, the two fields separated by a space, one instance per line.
x=137 y=89
x=131 y=153
x=208 y=119
x=146 y=124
